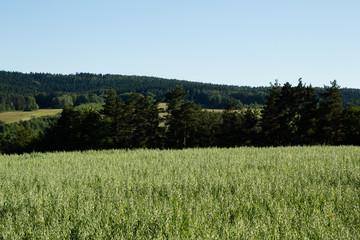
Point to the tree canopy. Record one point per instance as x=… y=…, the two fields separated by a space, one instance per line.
x=292 y=115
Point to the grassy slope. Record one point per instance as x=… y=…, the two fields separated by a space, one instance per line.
x=17 y=116
x=242 y=193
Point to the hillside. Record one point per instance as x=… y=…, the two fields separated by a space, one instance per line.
x=48 y=86
x=19 y=91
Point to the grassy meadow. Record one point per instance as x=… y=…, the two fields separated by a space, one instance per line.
x=16 y=116
x=240 y=193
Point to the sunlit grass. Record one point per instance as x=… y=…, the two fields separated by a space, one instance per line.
x=241 y=193
x=17 y=116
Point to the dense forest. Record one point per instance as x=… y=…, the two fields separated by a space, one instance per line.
x=292 y=115
x=20 y=91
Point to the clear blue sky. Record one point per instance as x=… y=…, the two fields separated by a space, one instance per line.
x=240 y=42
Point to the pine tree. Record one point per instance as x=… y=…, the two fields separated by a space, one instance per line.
x=270 y=117
x=109 y=109
x=175 y=98
x=351 y=125
x=306 y=116
x=287 y=112
x=182 y=119
x=330 y=114
x=232 y=127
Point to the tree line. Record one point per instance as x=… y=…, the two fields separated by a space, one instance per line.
x=58 y=90
x=292 y=115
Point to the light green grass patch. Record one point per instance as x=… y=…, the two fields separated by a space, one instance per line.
x=240 y=193
x=17 y=116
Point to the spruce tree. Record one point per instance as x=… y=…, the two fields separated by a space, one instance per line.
x=182 y=120
x=270 y=117
x=109 y=108
x=330 y=114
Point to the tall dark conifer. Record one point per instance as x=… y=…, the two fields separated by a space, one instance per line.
x=287 y=111
x=232 y=127
x=109 y=109
x=270 y=117
x=112 y=121
x=330 y=114
x=182 y=119
x=251 y=127
x=351 y=125
x=306 y=116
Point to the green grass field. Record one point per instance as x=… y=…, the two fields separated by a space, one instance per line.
x=17 y=116
x=241 y=193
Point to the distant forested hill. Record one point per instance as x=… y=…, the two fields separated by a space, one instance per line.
x=19 y=91
x=51 y=90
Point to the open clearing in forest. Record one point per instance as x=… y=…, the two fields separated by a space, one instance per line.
x=239 y=193
x=18 y=116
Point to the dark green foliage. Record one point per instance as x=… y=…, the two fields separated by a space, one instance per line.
x=62 y=101
x=252 y=128
x=140 y=122
x=351 y=125
x=22 y=136
x=291 y=116
x=330 y=114
x=270 y=117
x=175 y=98
x=239 y=127
x=231 y=127
x=182 y=119
x=208 y=129
x=17 y=102
x=306 y=115
x=133 y=124
x=75 y=130
x=110 y=104
x=86 y=87
x=49 y=90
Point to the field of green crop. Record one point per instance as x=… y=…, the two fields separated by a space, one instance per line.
x=17 y=116
x=241 y=193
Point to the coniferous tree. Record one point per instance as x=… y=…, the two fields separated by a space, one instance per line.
x=184 y=123
x=251 y=127
x=154 y=131
x=109 y=108
x=330 y=114
x=75 y=130
x=351 y=125
x=306 y=116
x=182 y=120
x=2 y=136
x=175 y=98
x=140 y=125
x=290 y=115
x=117 y=124
x=270 y=117
x=232 y=127
x=113 y=121
x=63 y=136
x=208 y=129
x=90 y=130
x=287 y=110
